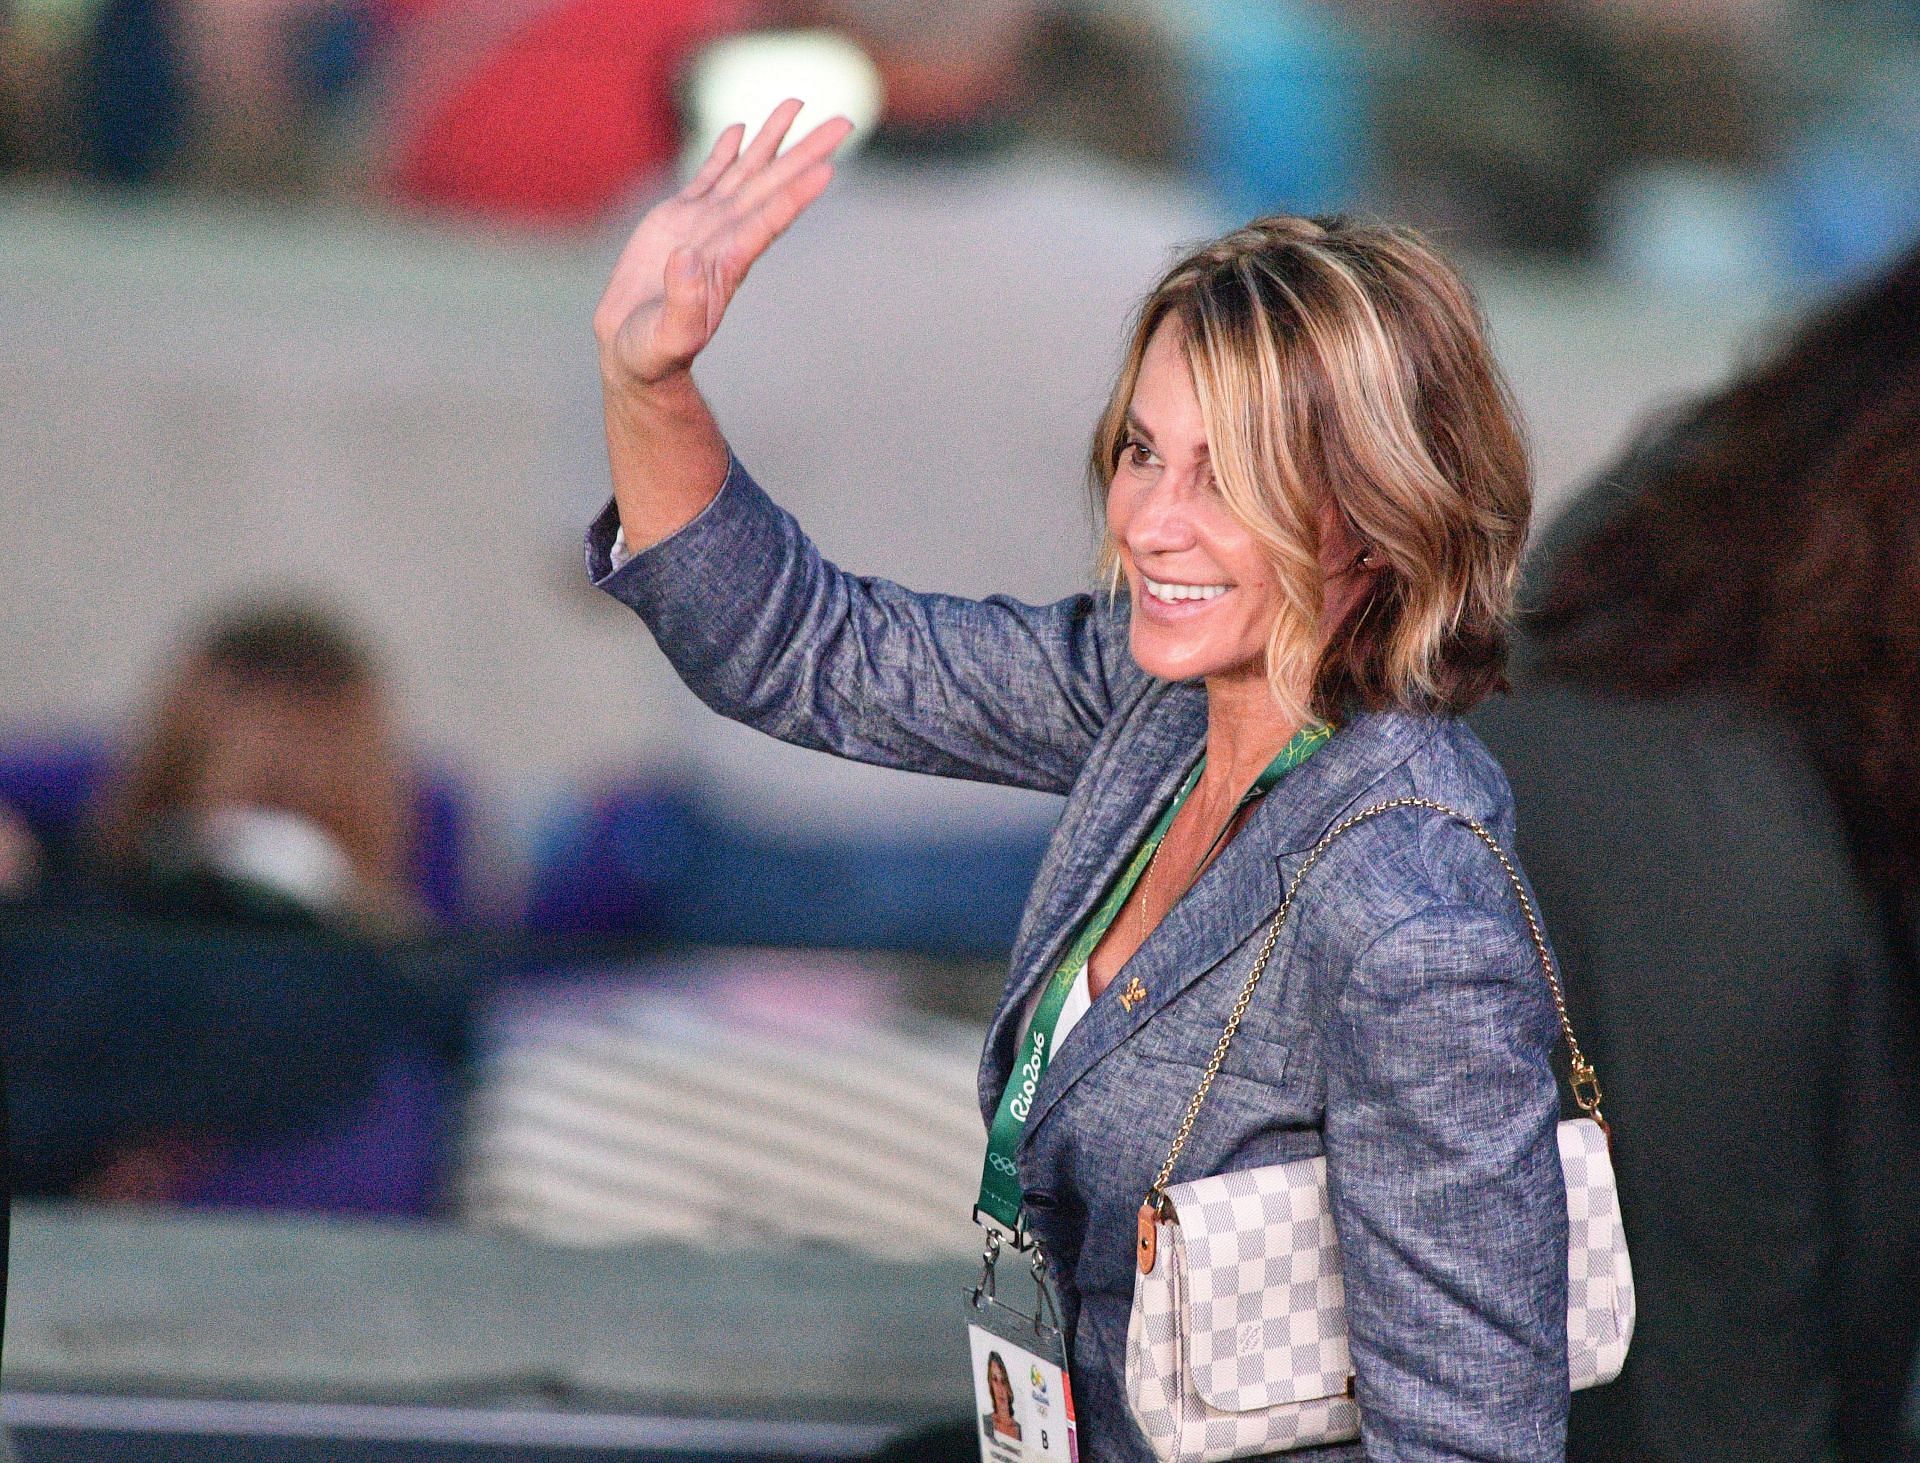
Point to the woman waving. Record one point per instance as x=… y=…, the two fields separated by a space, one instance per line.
x=1315 y=497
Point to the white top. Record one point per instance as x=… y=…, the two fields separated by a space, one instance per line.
x=1076 y=1006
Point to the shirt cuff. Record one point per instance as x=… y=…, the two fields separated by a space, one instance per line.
x=607 y=549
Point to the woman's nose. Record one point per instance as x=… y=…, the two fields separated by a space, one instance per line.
x=1161 y=520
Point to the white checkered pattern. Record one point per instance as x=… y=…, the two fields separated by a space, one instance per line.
x=1599 y=1277
x=1238 y=1341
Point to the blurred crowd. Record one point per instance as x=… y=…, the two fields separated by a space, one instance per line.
x=237 y=942
x=1690 y=141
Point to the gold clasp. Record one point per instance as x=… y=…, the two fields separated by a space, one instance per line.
x=1586 y=1087
x=1586 y=1092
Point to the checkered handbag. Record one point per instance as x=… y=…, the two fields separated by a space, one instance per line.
x=1237 y=1345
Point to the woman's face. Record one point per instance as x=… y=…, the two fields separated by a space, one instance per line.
x=1204 y=594
x=1001 y=1387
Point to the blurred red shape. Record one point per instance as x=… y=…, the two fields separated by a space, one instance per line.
x=547 y=118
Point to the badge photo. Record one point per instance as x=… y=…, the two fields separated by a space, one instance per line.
x=1022 y=1400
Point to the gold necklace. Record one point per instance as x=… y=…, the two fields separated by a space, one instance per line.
x=1146 y=889
x=1153 y=859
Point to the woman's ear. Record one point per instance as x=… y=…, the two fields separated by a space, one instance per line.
x=1349 y=566
x=1343 y=551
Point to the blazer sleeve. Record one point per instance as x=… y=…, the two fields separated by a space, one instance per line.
x=768 y=632
x=1444 y=1178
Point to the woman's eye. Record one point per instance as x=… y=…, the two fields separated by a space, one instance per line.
x=1136 y=453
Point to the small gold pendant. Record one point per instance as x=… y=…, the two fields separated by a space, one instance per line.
x=1133 y=995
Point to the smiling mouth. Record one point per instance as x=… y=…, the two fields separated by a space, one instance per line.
x=1169 y=592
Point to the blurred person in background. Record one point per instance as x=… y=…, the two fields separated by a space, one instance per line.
x=553 y=115
x=226 y=1000
x=227 y=95
x=953 y=77
x=19 y=856
x=1716 y=758
x=535 y=113
x=1508 y=123
x=267 y=786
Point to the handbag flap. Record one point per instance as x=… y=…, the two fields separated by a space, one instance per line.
x=1264 y=1305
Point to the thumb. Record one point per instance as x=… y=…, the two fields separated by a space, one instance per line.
x=681 y=328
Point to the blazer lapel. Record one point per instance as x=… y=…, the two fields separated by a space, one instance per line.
x=1239 y=891
x=1130 y=781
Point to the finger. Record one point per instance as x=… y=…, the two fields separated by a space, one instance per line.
x=726 y=147
x=759 y=152
x=773 y=132
x=817 y=145
x=772 y=219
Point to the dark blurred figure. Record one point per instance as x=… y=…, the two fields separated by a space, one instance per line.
x=966 y=79
x=131 y=96
x=1716 y=756
x=268 y=787
x=219 y=998
x=219 y=94
x=19 y=856
x=1508 y=122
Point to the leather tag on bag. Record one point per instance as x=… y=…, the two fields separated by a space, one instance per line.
x=1149 y=1245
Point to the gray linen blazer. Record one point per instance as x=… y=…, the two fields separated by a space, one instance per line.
x=1404 y=1027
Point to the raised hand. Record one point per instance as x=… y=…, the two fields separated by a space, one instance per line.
x=687 y=257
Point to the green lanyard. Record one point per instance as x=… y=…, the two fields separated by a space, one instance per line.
x=1000 y=1176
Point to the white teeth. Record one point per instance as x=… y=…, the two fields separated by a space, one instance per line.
x=1173 y=592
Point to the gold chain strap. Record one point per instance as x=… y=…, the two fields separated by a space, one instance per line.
x=1582 y=1079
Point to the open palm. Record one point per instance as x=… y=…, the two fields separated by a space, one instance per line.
x=687 y=257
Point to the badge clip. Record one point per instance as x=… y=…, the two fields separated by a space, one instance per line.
x=1045 y=1317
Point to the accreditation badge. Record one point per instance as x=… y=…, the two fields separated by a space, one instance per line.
x=1023 y=1397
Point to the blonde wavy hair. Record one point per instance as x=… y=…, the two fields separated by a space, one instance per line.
x=1340 y=359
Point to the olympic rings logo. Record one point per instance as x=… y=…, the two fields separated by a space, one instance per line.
x=1001 y=1164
